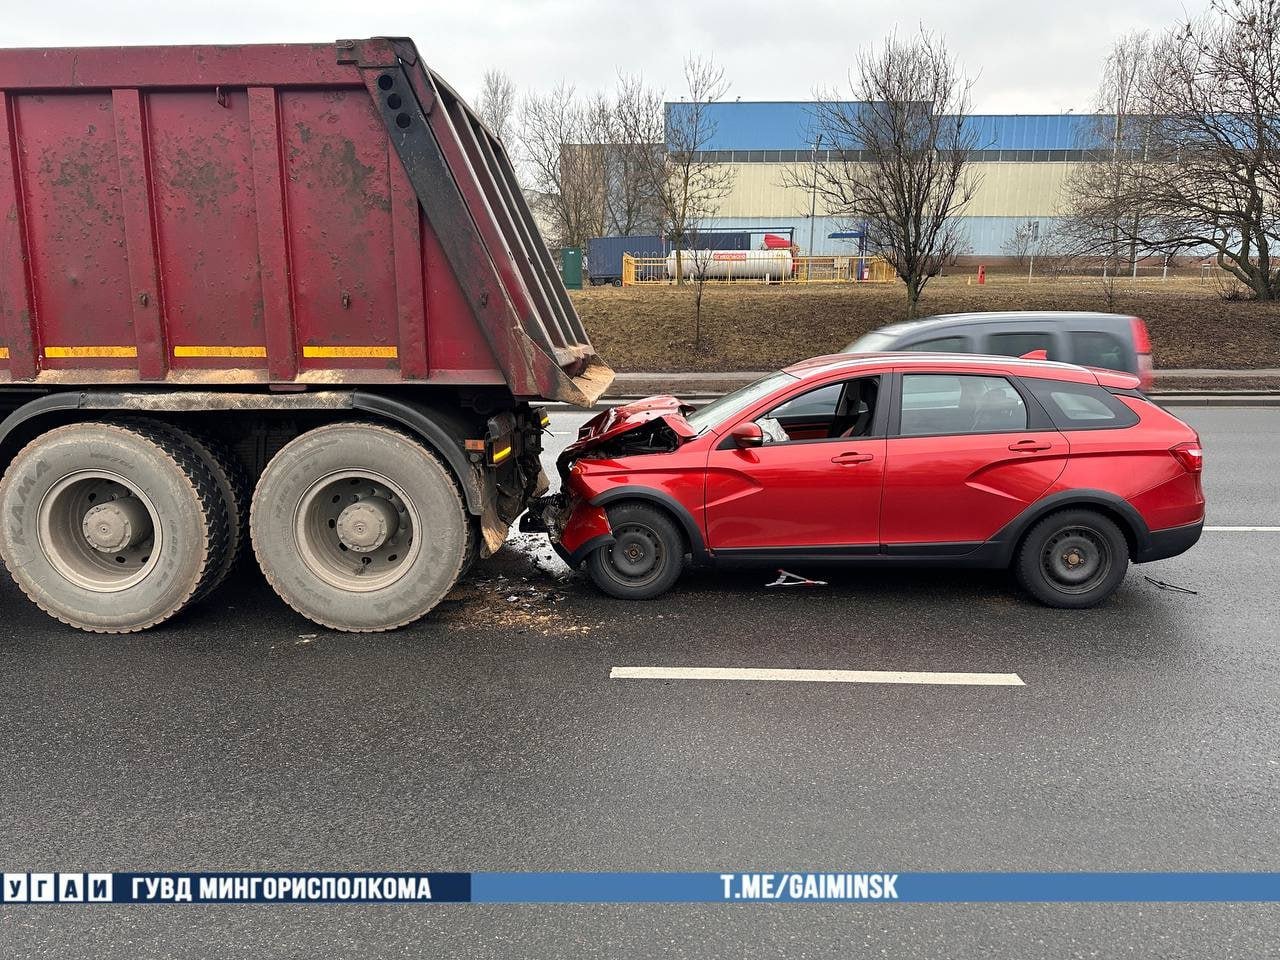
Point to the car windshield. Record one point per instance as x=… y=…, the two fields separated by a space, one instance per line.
x=718 y=411
x=871 y=343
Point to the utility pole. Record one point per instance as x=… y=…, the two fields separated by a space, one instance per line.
x=813 y=193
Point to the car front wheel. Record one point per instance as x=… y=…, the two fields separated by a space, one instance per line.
x=1072 y=559
x=645 y=558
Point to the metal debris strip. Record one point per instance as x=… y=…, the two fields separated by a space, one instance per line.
x=1171 y=586
x=787 y=579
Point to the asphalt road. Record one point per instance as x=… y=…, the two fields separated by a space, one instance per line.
x=1147 y=737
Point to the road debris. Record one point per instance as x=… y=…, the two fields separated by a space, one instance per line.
x=1171 y=586
x=788 y=579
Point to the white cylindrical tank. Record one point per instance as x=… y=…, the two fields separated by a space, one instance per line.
x=732 y=264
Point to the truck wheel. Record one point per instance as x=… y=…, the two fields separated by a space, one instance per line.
x=358 y=527
x=645 y=558
x=109 y=527
x=1073 y=559
x=233 y=486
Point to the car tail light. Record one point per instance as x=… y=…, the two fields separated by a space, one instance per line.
x=1190 y=455
x=1142 y=347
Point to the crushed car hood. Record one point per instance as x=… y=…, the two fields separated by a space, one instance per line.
x=601 y=430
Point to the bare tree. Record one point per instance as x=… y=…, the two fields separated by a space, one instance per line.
x=563 y=139
x=497 y=103
x=1023 y=244
x=1101 y=221
x=1208 y=174
x=897 y=147
x=700 y=261
x=687 y=183
x=632 y=200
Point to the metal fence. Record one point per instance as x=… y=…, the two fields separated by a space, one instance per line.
x=641 y=270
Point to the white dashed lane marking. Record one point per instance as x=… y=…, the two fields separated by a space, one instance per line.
x=815 y=676
x=1242 y=529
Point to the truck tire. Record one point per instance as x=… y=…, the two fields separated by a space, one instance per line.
x=359 y=527
x=233 y=486
x=110 y=527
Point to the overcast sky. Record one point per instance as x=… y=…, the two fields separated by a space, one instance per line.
x=1034 y=56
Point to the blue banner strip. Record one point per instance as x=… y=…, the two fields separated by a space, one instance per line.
x=792 y=887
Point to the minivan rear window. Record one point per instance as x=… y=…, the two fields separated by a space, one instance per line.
x=1080 y=406
x=1093 y=348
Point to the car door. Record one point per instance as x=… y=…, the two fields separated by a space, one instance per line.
x=967 y=452
x=816 y=493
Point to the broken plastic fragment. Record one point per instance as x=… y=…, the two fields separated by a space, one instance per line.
x=786 y=579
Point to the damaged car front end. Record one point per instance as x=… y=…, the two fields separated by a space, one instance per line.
x=601 y=459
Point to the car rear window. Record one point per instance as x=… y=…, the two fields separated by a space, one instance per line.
x=1080 y=406
x=940 y=404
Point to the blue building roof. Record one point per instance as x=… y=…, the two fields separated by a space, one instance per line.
x=789 y=125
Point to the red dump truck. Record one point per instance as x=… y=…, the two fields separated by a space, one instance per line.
x=288 y=296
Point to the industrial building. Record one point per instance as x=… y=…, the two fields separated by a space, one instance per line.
x=1023 y=162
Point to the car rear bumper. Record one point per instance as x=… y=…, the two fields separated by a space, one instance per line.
x=1170 y=542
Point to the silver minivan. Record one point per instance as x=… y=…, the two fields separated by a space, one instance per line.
x=1109 y=340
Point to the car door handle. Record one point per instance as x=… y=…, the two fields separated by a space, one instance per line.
x=1030 y=445
x=852 y=457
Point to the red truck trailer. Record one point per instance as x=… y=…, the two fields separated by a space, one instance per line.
x=286 y=295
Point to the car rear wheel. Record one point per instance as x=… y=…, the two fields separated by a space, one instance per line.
x=645 y=558
x=1072 y=559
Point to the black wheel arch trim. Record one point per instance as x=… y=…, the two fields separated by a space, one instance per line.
x=1012 y=532
x=584 y=550
x=416 y=418
x=697 y=546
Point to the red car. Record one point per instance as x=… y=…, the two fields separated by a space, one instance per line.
x=1063 y=473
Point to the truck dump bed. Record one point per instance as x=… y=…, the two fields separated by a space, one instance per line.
x=283 y=214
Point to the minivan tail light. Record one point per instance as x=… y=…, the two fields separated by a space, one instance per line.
x=1141 y=340
x=1142 y=347
x=1190 y=455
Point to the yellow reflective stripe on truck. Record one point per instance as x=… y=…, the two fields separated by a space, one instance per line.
x=219 y=352
x=348 y=353
x=88 y=353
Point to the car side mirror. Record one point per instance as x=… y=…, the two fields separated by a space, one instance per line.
x=747 y=435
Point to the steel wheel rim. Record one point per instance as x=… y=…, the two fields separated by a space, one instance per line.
x=368 y=551
x=637 y=555
x=83 y=523
x=1076 y=559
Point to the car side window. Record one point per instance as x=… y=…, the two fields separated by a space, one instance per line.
x=935 y=404
x=844 y=409
x=941 y=345
x=1093 y=348
x=820 y=402
x=1017 y=344
x=1080 y=406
